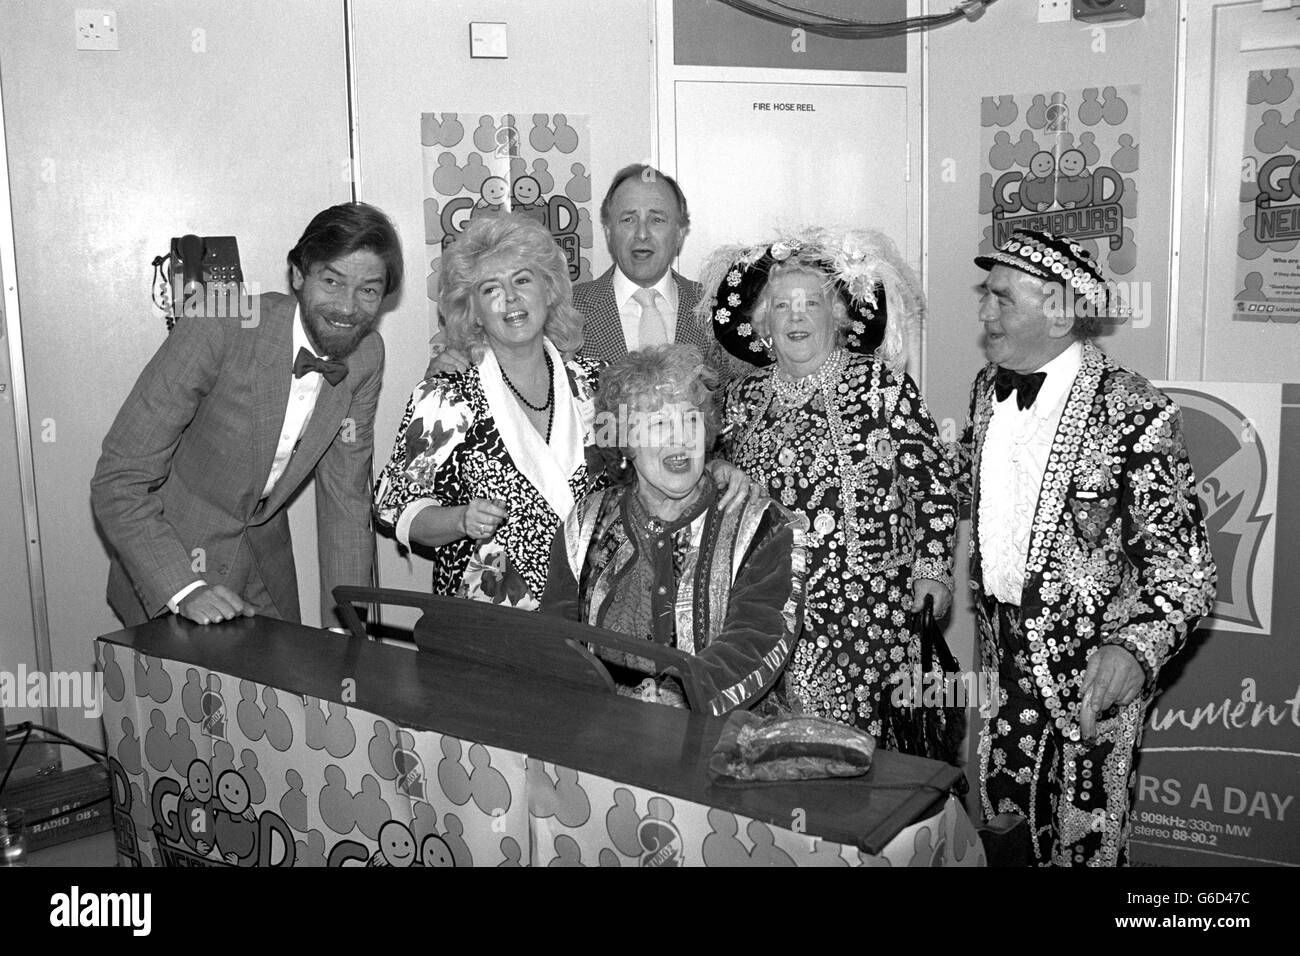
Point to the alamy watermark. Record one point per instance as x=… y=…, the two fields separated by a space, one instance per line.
x=222 y=300
x=132 y=911
x=1116 y=302
x=978 y=689
x=671 y=425
x=71 y=690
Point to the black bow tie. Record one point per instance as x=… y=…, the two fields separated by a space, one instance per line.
x=1025 y=386
x=334 y=372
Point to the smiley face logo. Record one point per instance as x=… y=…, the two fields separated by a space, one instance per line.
x=232 y=790
x=396 y=844
x=1042 y=164
x=1073 y=162
x=199 y=778
x=494 y=190
x=527 y=190
x=435 y=852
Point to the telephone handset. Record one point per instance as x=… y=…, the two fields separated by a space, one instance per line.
x=188 y=251
x=204 y=277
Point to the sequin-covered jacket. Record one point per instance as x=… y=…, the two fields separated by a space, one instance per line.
x=903 y=511
x=1118 y=552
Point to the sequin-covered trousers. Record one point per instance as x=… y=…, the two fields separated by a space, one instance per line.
x=1076 y=796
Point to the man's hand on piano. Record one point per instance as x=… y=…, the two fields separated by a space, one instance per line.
x=214 y=603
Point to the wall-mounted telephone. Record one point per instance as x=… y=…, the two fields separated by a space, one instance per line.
x=203 y=277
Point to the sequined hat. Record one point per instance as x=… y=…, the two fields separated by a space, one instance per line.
x=1054 y=258
x=864 y=267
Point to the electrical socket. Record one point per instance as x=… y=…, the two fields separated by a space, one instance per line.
x=96 y=29
x=1054 y=11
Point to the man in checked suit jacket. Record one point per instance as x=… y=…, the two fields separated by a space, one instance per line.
x=645 y=218
x=1089 y=556
x=228 y=420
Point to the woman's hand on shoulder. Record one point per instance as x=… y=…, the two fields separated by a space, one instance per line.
x=447 y=361
x=734 y=484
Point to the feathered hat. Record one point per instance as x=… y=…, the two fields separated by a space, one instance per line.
x=881 y=291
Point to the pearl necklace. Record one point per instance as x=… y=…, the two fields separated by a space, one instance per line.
x=794 y=392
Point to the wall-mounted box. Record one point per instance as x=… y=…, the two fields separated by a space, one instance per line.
x=487 y=40
x=1099 y=11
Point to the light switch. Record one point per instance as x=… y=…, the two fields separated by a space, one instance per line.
x=487 y=40
x=96 y=29
x=1053 y=11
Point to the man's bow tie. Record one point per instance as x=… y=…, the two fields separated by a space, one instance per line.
x=1025 y=386
x=334 y=372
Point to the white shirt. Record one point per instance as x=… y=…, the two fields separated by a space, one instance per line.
x=1012 y=465
x=303 y=393
x=629 y=310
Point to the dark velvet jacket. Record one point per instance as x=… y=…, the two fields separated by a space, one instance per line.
x=726 y=588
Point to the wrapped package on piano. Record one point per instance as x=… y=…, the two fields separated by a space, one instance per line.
x=788 y=747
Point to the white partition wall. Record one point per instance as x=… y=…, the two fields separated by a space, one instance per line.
x=758 y=145
x=218 y=117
